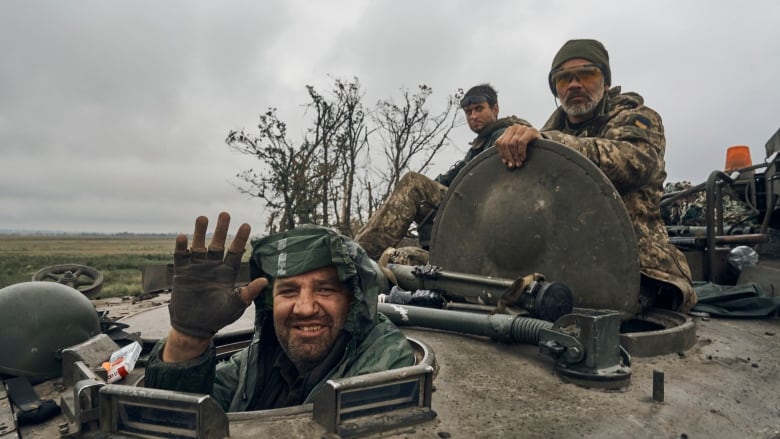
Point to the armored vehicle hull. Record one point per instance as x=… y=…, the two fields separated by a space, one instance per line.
x=678 y=375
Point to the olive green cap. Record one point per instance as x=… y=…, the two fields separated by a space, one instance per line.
x=591 y=50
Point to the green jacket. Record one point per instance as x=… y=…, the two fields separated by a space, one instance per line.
x=249 y=379
x=626 y=141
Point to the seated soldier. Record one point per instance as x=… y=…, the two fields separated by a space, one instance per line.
x=416 y=195
x=315 y=295
x=625 y=139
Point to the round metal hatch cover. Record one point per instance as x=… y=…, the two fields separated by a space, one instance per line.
x=558 y=215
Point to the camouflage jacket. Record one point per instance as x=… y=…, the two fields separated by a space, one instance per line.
x=484 y=140
x=251 y=380
x=626 y=141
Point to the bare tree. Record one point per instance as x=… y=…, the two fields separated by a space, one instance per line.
x=340 y=135
x=329 y=117
x=411 y=134
x=351 y=142
x=289 y=174
x=310 y=182
x=318 y=179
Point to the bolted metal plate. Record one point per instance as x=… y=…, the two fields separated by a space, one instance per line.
x=558 y=215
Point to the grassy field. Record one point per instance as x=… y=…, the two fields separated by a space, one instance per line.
x=118 y=257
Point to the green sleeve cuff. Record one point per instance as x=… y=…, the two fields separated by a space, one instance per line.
x=194 y=376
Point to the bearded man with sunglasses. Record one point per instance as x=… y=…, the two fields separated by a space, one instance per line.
x=625 y=139
x=416 y=197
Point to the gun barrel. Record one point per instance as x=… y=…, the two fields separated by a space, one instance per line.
x=488 y=289
x=543 y=299
x=501 y=327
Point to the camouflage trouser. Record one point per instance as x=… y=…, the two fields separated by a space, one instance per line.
x=409 y=202
x=666 y=277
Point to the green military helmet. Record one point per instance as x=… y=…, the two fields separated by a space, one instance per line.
x=38 y=320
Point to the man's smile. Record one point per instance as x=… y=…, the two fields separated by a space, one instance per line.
x=309 y=330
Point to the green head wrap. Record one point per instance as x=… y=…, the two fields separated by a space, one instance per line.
x=591 y=50
x=309 y=247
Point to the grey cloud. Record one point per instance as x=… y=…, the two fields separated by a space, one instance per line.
x=113 y=115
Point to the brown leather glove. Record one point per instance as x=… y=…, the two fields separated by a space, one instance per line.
x=204 y=299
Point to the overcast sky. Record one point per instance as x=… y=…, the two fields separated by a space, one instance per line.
x=113 y=115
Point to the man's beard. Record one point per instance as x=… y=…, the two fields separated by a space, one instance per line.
x=307 y=354
x=301 y=356
x=585 y=108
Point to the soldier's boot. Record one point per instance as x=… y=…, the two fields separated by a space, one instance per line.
x=404 y=256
